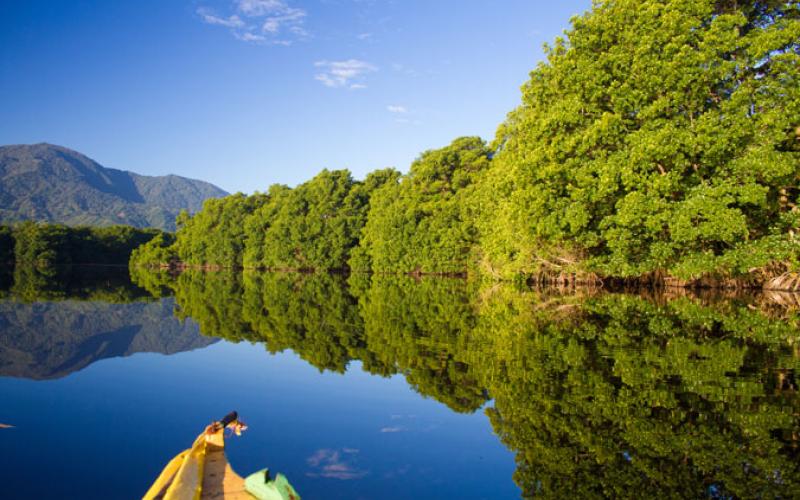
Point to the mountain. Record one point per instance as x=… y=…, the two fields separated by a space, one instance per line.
x=52 y=183
x=49 y=340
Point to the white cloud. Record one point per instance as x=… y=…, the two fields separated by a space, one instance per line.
x=347 y=73
x=394 y=108
x=289 y=18
x=257 y=8
x=335 y=464
x=230 y=22
x=261 y=21
x=250 y=37
x=364 y=36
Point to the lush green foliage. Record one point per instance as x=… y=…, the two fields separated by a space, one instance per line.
x=215 y=235
x=659 y=136
x=50 y=245
x=421 y=222
x=658 y=139
x=49 y=183
x=314 y=226
x=42 y=255
x=426 y=222
x=157 y=251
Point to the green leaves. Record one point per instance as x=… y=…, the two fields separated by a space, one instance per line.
x=658 y=133
x=659 y=138
x=426 y=222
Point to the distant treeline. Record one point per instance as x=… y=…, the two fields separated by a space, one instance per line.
x=658 y=141
x=389 y=222
x=45 y=246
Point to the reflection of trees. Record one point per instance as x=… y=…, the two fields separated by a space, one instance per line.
x=97 y=283
x=314 y=315
x=420 y=328
x=214 y=301
x=626 y=397
x=610 y=395
x=395 y=326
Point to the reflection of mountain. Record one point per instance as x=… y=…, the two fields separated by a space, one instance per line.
x=48 y=340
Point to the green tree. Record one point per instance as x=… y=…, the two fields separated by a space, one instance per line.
x=658 y=137
x=42 y=245
x=159 y=251
x=314 y=226
x=257 y=225
x=425 y=223
x=215 y=235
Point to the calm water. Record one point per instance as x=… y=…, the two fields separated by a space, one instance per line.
x=395 y=388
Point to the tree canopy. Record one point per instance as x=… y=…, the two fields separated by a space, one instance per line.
x=659 y=136
x=658 y=140
x=424 y=222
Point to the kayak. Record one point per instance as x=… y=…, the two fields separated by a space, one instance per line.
x=203 y=472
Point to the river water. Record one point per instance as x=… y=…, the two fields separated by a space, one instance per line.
x=390 y=387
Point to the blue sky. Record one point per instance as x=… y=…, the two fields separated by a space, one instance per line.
x=247 y=93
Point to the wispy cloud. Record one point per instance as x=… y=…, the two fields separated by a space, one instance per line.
x=250 y=37
x=349 y=73
x=261 y=21
x=403 y=115
x=335 y=464
x=208 y=17
x=406 y=121
x=289 y=19
x=256 y=8
x=391 y=430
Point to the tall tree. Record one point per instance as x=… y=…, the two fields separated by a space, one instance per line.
x=425 y=222
x=659 y=136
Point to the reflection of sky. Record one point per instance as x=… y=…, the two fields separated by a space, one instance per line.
x=112 y=427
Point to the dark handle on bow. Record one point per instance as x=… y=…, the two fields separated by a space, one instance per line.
x=229 y=418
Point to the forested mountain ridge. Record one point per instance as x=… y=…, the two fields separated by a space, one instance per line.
x=55 y=184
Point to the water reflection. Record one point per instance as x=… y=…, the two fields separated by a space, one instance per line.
x=54 y=327
x=598 y=394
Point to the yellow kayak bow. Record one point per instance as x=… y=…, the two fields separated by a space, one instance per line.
x=203 y=472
